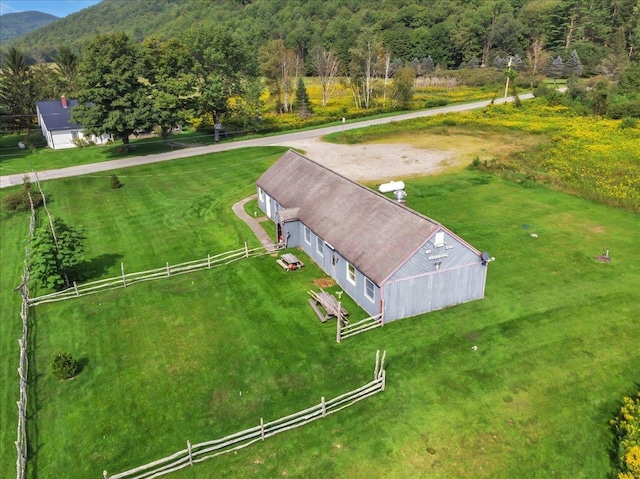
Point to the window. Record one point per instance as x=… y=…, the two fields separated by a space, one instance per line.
x=439 y=241
x=369 y=289
x=319 y=246
x=260 y=194
x=351 y=273
x=307 y=235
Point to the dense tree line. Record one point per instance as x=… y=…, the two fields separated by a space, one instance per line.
x=450 y=31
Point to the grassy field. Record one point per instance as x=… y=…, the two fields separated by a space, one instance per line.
x=165 y=362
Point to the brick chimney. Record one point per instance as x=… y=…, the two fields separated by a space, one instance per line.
x=63 y=101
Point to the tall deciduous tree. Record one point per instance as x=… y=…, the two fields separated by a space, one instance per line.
x=326 y=66
x=281 y=68
x=168 y=67
x=112 y=98
x=403 y=86
x=223 y=68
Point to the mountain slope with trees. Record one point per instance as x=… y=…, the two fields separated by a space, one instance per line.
x=15 y=24
x=449 y=31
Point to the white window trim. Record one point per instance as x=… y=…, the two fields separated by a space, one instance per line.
x=319 y=246
x=352 y=281
x=373 y=289
x=307 y=235
x=260 y=194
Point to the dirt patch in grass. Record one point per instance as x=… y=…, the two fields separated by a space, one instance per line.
x=419 y=154
x=324 y=282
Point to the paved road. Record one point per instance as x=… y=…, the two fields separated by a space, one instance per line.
x=10 y=180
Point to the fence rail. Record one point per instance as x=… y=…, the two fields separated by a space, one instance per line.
x=128 y=279
x=195 y=453
x=344 y=332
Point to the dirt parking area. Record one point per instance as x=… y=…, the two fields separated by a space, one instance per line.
x=377 y=161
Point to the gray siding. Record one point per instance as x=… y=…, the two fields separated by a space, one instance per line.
x=433 y=291
x=437 y=257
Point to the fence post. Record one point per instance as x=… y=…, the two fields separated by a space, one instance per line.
x=168 y=271
x=262 y=428
x=338 y=327
x=246 y=250
x=384 y=379
x=324 y=407
x=384 y=355
x=208 y=261
x=105 y=475
x=189 y=448
x=124 y=280
x=376 y=370
x=75 y=286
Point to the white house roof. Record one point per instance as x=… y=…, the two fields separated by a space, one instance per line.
x=372 y=232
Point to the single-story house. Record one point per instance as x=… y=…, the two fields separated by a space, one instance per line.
x=387 y=257
x=54 y=118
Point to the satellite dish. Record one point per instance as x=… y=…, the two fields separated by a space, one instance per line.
x=485 y=258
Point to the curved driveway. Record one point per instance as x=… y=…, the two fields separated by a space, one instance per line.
x=10 y=180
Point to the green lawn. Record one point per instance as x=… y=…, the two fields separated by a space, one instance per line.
x=164 y=362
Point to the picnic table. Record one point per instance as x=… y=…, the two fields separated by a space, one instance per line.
x=289 y=262
x=331 y=306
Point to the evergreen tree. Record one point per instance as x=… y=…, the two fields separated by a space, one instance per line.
x=428 y=65
x=556 y=68
x=16 y=89
x=302 y=100
x=473 y=63
x=573 y=67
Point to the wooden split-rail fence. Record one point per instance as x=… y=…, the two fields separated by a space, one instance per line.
x=23 y=365
x=195 y=453
x=127 y=279
x=346 y=331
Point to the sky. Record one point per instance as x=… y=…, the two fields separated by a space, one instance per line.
x=59 y=8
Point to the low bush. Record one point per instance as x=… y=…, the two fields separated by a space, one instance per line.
x=115 y=182
x=19 y=200
x=64 y=366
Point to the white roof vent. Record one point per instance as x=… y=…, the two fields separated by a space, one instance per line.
x=391 y=186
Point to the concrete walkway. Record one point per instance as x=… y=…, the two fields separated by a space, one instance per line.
x=252 y=222
x=10 y=180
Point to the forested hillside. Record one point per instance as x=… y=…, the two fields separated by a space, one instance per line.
x=15 y=24
x=450 y=32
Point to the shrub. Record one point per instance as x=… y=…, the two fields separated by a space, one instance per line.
x=628 y=123
x=115 y=182
x=64 y=366
x=19 y=200
x=434 y=102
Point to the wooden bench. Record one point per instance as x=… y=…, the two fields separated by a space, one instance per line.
x=331 y=306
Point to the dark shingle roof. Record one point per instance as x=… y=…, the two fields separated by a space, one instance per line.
x=372 y=232
x=55 y=117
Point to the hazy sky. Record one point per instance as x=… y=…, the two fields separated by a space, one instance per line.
x=59 y=8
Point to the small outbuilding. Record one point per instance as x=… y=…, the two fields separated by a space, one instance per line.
x=387 y=257
x=54 y=118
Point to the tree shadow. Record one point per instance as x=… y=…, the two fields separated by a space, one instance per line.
x=98 y=266
x=82 y=364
